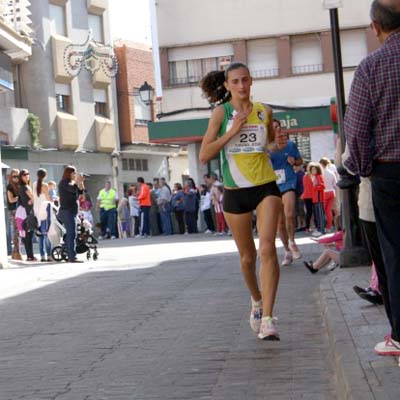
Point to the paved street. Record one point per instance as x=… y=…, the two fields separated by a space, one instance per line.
x=177 y=330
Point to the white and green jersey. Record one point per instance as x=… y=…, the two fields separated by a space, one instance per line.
x=245 y=162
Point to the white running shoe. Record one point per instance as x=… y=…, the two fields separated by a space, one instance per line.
x=207 y=232
x=295 y=250
x=268 y=329
x=288 y=259
x=256 y=315
x=317 y=233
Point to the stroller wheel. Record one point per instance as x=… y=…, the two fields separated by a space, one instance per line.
x=59 y=253
x=88 y=255
x=95 y=256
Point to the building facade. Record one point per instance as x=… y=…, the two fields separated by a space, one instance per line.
x=285 y=43
x=77 y=112
x=137 y=156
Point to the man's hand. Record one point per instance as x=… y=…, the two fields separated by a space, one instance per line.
x=291 y=160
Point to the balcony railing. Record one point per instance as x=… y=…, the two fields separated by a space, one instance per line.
x=307 y=69
x=188 y=80
x=265 y=73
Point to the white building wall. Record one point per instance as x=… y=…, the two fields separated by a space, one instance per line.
x=322 y=145
x=212 y=21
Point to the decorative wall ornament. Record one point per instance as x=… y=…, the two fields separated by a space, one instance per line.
x=91 y=55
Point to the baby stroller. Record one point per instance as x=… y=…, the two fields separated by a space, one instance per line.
x=85 y=241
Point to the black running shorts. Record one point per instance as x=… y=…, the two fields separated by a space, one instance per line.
x=244 y=200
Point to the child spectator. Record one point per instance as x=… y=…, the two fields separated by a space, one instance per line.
x=124 y=218
x=134 y=209
x=219 y=212
x=85 y=207
x=53 y=192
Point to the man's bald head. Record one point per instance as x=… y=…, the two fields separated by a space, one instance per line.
x=386 y=13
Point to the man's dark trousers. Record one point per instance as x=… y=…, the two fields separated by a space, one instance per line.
x=385 y=181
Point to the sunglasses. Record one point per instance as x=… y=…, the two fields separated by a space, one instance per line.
x=25 y=174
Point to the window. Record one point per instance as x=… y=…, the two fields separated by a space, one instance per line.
x=57 y=20
x=302 y=141
x=192 y=71
x=263 y=58
x=96 y=25
x=354 y=47
x=100 y=102
x=63 y=98
x=142 y=111
x=306 y=54
x=135 y=164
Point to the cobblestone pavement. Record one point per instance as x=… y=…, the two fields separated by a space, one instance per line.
x=177 y=331
x=356 y=327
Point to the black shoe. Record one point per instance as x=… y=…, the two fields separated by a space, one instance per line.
x=372 y=297
x=359 y=290
x=309 y=266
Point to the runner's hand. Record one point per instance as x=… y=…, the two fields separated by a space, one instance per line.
x=291 y=160
x=239 y=120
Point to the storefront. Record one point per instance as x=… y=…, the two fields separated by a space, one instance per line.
x=310 y=128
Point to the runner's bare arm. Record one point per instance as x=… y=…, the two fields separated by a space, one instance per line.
x=211 y=146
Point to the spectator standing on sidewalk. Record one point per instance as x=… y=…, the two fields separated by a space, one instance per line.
x=318 y=198
x=70 y=187
x=205 y=206
x=283 y=160
x=134 y=209
x=372 y=128
x=42 y=210
x=300 y=214
x=25 y=200
x=144 y=198
x=107 y=201
x=164 y=204
x=219 y=212
x=190 y=202
x=241 y=132
x=329 y=193
x=307 y=197
x=12 y=202
x=178 y=206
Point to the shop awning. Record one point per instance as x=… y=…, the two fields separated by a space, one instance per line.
x=192 y=130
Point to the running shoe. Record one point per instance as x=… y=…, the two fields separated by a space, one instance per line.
x=317 y=233
x=268 y=329
x=256 y=315
x=288 y=259
x=310 y=267
x=295 y=250
x=389 y=347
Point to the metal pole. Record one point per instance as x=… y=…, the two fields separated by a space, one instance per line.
x=352 y=254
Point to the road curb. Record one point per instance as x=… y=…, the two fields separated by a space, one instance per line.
x=352 y=383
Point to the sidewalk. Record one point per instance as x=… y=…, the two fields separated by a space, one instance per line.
x=354 y=328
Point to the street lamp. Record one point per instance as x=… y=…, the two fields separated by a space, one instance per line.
x=146 y=93
x=353 y=254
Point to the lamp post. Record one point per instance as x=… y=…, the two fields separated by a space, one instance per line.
x=146 y=93
x=353 y=254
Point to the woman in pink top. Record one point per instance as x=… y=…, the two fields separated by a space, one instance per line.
x=334 y=244
x=307 y=197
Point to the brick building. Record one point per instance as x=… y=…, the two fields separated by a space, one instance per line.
x=138 y=157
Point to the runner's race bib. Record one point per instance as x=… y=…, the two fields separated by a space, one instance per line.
x=251 y=139
x=281 y=175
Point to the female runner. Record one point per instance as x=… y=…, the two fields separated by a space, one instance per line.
x=241 y=131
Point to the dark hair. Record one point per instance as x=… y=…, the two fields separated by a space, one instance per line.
x=22 y=173
x=206 y=176
x=41 y=174
x=191 y=180
x=140 y=179
x=70 y=169
x=277 y=121
x=387 y=16
x=178 y=186
x=317 y=166
x=156 y=180
x=213 y=86
x=14 y=185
